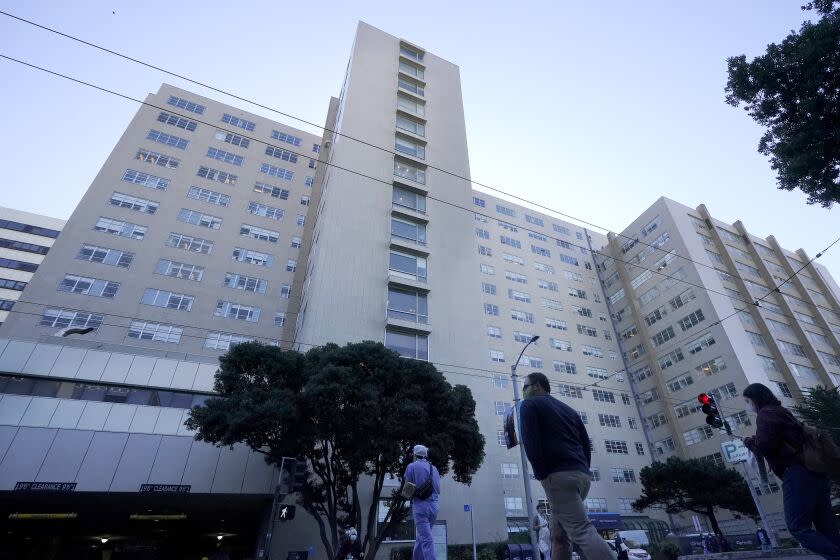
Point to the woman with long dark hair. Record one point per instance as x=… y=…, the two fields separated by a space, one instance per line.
x=807 y=495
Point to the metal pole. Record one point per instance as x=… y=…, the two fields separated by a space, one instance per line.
x=472 y=526
x=526 y=475
x=771 y=534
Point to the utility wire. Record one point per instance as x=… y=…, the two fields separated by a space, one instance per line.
x=326 y=129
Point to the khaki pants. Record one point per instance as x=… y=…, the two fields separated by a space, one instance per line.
x=569 y=523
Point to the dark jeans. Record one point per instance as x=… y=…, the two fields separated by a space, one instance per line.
x=808 y=513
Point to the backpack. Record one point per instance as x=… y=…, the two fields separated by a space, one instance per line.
x=819 y=452
x=424 y=491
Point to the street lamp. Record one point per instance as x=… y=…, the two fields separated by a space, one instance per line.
x=526 y=476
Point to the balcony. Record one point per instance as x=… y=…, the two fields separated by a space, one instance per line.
x=411 y=175
x=409 y=245
x=413 y=71
x=401 y=280
x=411 y=53
x=407 y=323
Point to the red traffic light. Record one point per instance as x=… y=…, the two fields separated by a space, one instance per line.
x=703 y=398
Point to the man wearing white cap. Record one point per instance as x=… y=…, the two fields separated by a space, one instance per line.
x=424 y=504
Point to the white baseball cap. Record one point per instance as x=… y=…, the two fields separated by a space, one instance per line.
x=421 y=451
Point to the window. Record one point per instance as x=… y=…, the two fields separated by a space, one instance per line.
x=482 y=233
x=262 y=234
x=409 y=147
x=409 y=199
x=296 y=242
x=300 y=220
x=804 y=371
x=513 y=259
x=287 y=138
x=609 y=420
x=281 y=154
x=170 y=300
x=635 y=352
x=565 y=367
x=15 y=285
x=158 y=332
x=556 y=324
x=505 y=210
x=246 y=283
x=123 y=229
x=241 y=123
x=157 y=159
x=223 y=341
x=270 y=190
x=508 y=227
x=407 y=305
x=216 y=175
x=596 y=505
x=534 y=220
x=133 y=203
x=513 y=506
x=681 y=381
x=519 y=296
x=190 y=243
x=145 y=180
x=691 y=320
x=724 y=392
x=410 y=125
x=603 y=396
x=410 y=172
x=515 y=277
x=659 y=419
x=756 y=339
x=167 y=139
x=494 y=332
x=671 y=358
x=500 y=381
x=233 y=139
x=279 y=318
x=547 y=268
x=501 y=438
x=587 y=330
x=270 y=212
x=523 y=316
x=651 y=226
x=408 y=345
x=791 y=348
x=625 y=505
x=593 y=351
x=211 y=197
x=199 y=219
x=104 y=255
x=664 y=446
x=622 y=474
x=530 y=361
x=537 y=236
x=184 y=104
x=616 y=447
x=642 y=374
x=597 y=373
x=582 y=311
x=574 y=292
x=564 y=244
x=175 y=120
x=550 y=286
x=179 y=270
x=60 y=318
x=485 y=251
x=784 y=389
x=278 y=172
x=309 y=181
x=88 y=286
x=488 y=288
x=619 y=295
x=563 y=345
x=663 y=336
x=570 y=391
x=696 y=435
x=738 y=420
x=487 y=269
x=237 y=311
x=510 y=470
x=479 y=202
x=510 y=241
x=285 y=291
x=829 y=359
x=682 y=299
x=712 y=366
x=227 y=157
x=407 y=265
x=541 y=251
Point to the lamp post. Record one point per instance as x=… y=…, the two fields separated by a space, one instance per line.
x=526 y=476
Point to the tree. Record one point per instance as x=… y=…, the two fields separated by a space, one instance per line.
x=354 y=413
x=679 y=485
x=793 y=90
x=820 y=407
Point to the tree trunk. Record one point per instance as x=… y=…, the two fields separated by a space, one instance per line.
x=713 y=520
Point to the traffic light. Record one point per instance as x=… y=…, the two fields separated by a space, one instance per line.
x=299 y=475
x=286 y=512
x=710 y=409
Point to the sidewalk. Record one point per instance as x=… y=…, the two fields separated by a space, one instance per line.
x=779 y=554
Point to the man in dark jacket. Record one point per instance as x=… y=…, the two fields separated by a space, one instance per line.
x=558 y=449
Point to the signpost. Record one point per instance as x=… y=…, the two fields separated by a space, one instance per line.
x=468 y=507
x=734 y=452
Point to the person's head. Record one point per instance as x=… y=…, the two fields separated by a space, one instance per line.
x=757 y=396
x=421 y=452
x=352 y=534
x=536 y=384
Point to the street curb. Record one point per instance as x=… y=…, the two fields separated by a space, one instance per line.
x=799 y=553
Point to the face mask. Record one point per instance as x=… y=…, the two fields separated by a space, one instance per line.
x=751 y=407
x=529 y=392
x=353 y=536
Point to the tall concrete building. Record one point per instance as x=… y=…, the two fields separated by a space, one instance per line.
x=24 y=240
x=208 y=226
x=705 y=306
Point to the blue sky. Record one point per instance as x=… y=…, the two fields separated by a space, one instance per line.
x=594 y=109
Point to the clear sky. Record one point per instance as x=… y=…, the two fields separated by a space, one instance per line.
x=594 y=109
